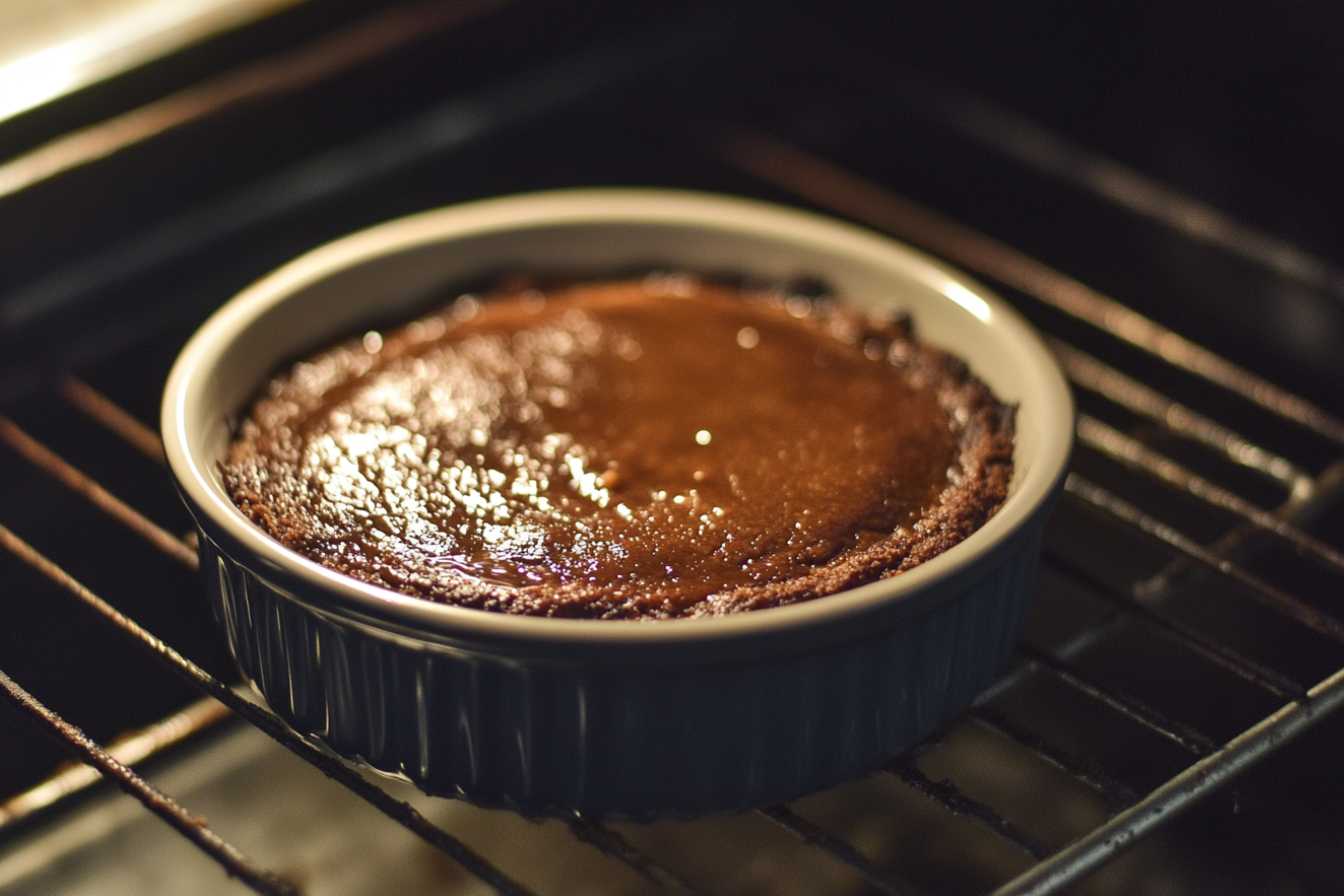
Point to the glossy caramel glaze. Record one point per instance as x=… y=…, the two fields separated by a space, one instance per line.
x=646 y=448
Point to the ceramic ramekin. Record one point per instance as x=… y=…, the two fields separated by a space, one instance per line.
x=635 y=718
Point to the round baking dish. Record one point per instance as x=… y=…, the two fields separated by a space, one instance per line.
x=636 y=718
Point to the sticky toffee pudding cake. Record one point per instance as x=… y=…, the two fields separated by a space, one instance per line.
x=648 y=448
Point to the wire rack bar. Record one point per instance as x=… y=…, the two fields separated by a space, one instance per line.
x=1301 y=509
x=403 y=813
x=47 y=460
x=1121 y=389
x=1130 y=707
x=1019 y=138
x=838 y=849
x=1180 y=793
x=165 y=807
x=951 y=798
x=103 y=410
x=128 y=750
x=1074 y=646
x=824 y=183
x=1269 y=680
x=292 y=70
x=1099 y=498
x=612 y=844
x=1114 y=791
x=1135 y=455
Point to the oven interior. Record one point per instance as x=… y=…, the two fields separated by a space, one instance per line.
x=1153 y=189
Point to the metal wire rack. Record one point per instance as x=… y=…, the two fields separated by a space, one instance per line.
x=1225 y=567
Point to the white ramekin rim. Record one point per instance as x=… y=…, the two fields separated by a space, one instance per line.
x=343 y=595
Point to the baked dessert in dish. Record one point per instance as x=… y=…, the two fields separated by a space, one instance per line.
x=639 y=448
x=714 y=710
